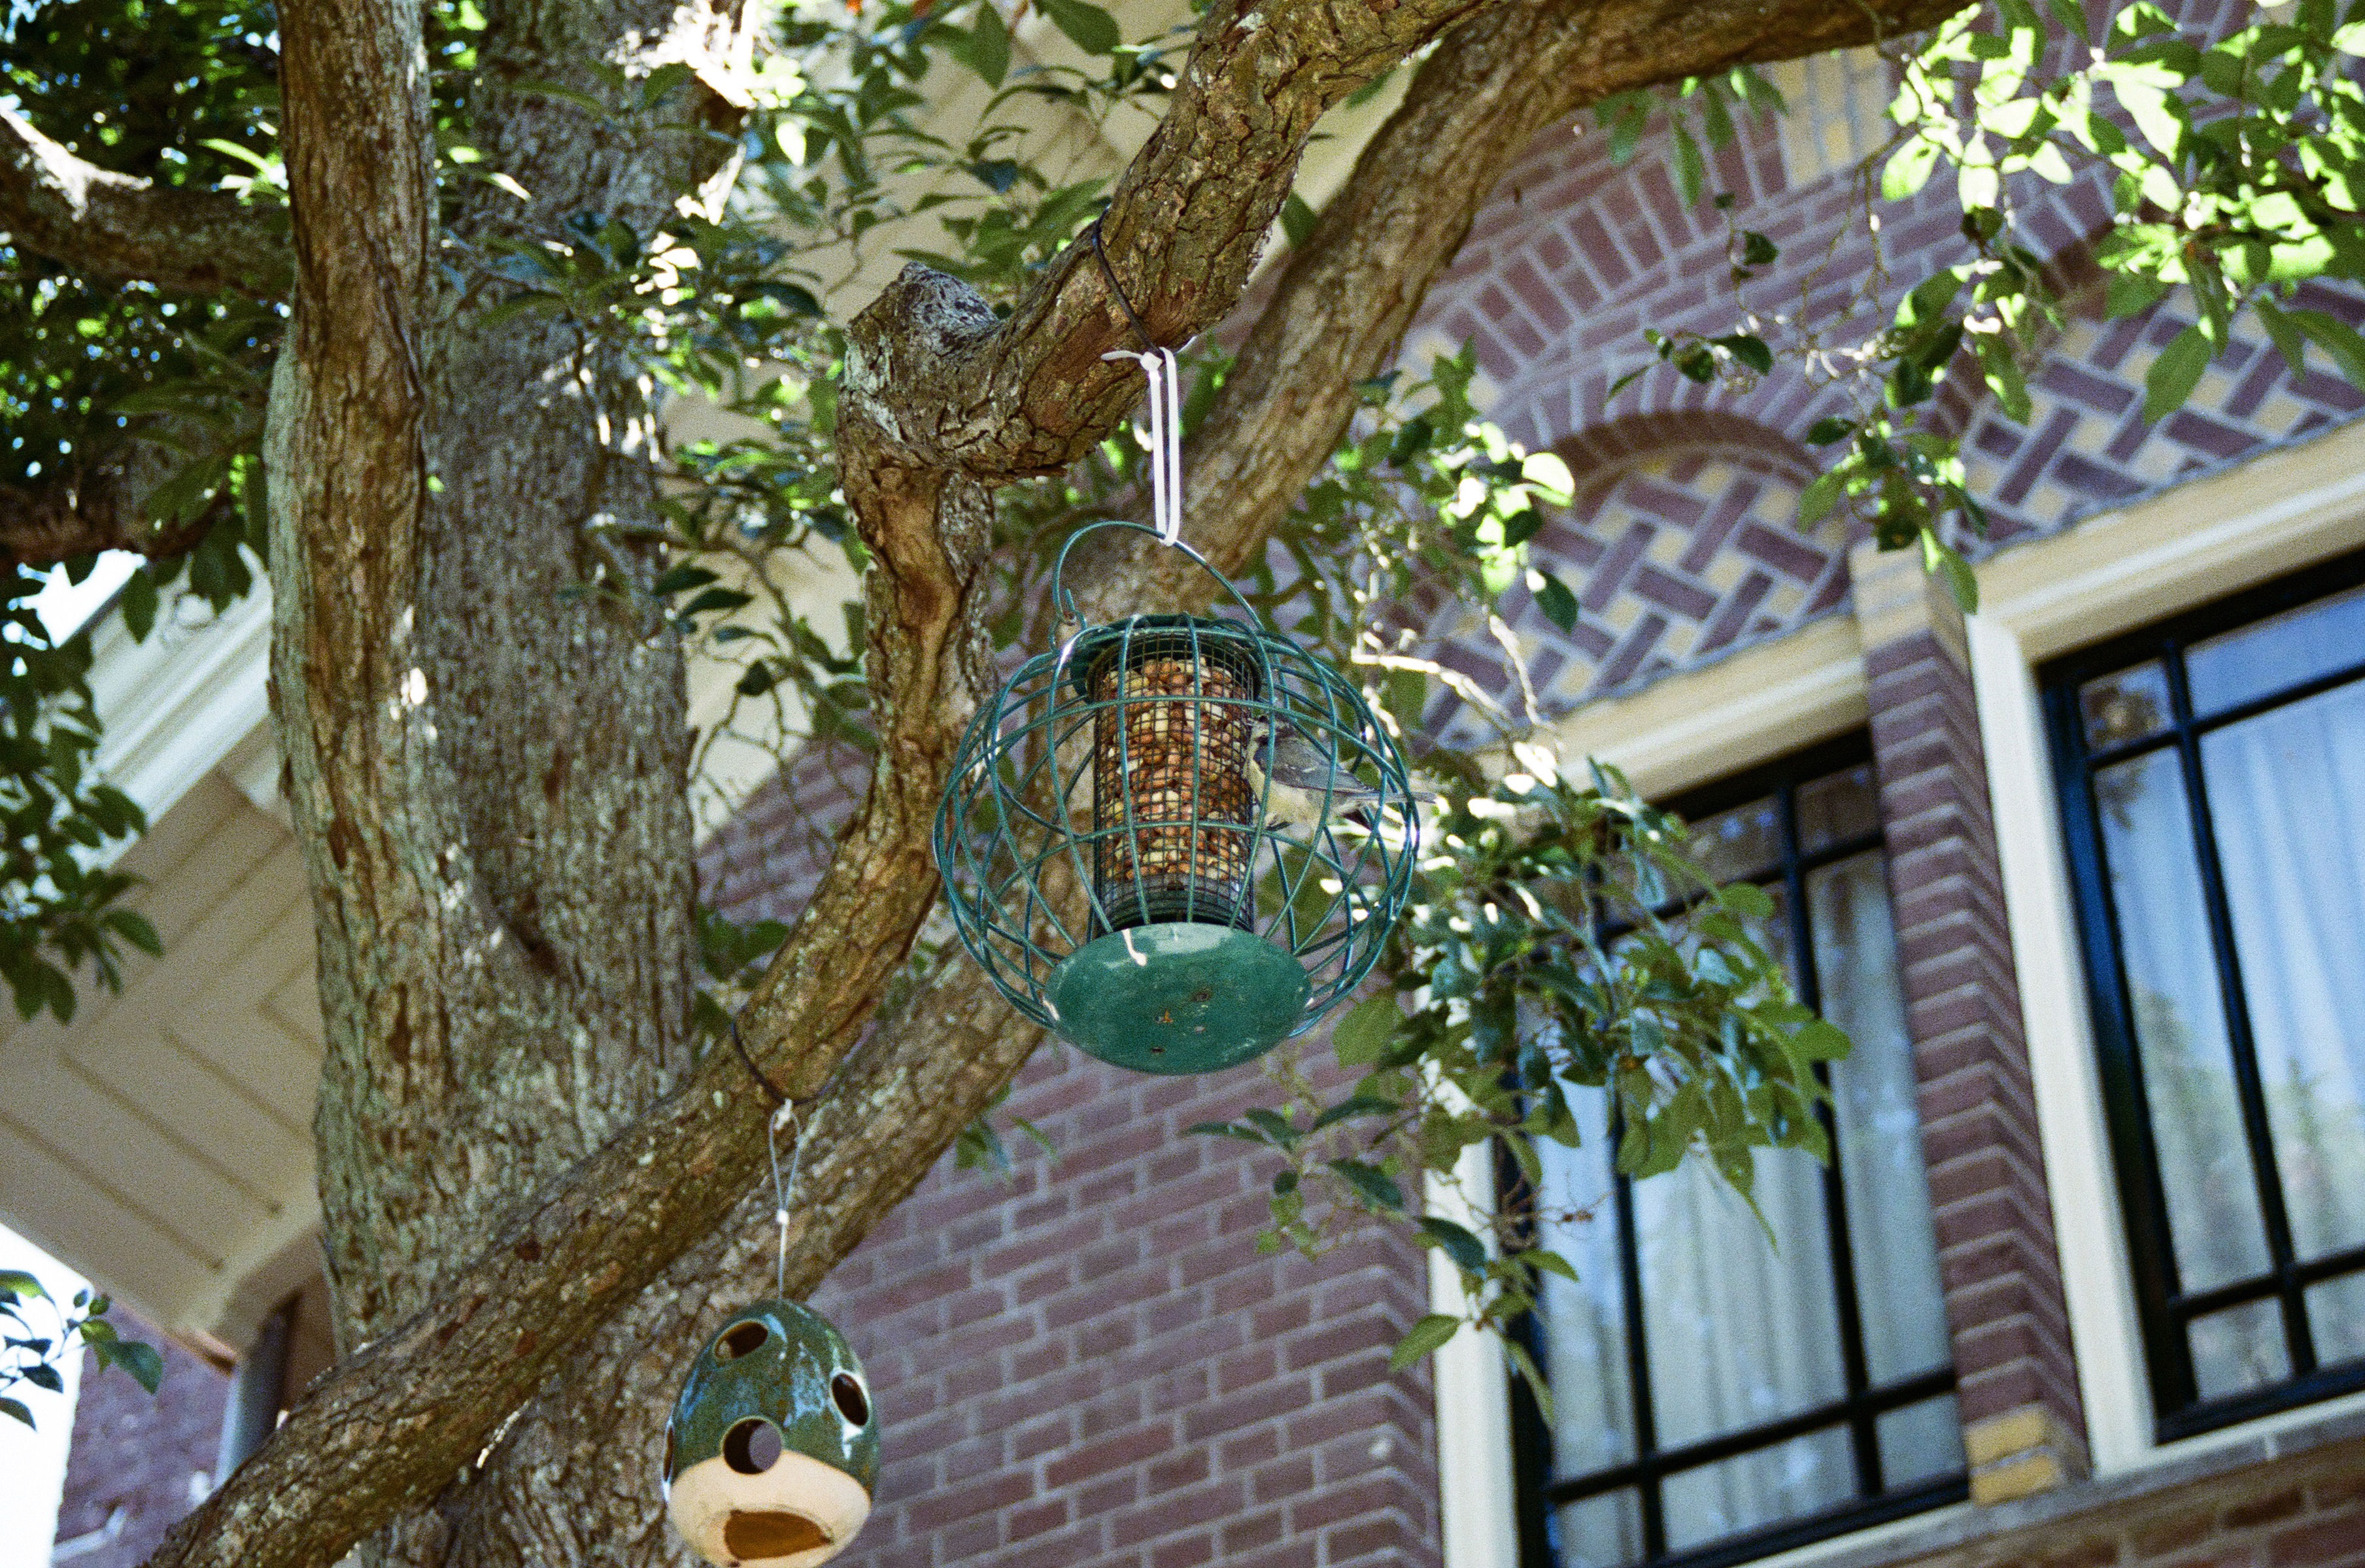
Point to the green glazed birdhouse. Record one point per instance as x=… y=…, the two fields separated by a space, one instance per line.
x=773 y=1446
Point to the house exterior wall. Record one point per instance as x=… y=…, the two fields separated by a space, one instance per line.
x=1087 y=1363
x=138 y=1464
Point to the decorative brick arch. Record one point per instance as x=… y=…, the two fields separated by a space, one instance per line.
x=2086 y=445
x=1682 y=546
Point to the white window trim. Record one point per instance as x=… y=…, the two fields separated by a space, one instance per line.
x=2165 y=554
x=2170 y=553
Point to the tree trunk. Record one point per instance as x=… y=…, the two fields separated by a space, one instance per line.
x=488 y=772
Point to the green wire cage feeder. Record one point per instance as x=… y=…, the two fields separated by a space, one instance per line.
x=1176 y=840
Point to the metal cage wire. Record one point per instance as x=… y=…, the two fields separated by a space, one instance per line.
x=1127 y=780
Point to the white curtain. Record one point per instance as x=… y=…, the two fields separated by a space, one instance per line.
x=2179 y=1021
x=2287 y=798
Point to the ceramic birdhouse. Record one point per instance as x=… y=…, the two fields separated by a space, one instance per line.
x=1177 y=840
x=773 y=1446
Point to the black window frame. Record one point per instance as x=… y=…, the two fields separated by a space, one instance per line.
x=1860 y=1407
x=2177 y=1411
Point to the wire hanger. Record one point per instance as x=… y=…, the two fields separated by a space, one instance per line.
x=1165 y=436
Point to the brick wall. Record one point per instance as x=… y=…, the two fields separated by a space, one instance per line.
x=1089 y=1365
x=138 y=1464
x=2257 y=1507
x=2017 y=1389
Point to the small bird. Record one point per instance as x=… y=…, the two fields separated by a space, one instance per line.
x=1305 y=777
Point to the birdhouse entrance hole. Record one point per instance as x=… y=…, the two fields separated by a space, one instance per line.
x=754 y=1537
x=745 y=1339
x=852 y=1404
x=752 y=1447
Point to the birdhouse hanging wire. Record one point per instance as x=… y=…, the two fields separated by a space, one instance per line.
x=1177 y=840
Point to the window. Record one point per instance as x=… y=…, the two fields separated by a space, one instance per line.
x=2213 y=781
x=1717 y=1396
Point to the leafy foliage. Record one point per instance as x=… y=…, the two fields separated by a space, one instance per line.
x=2238 y=171
x=35 y=1339
x=1561 y=943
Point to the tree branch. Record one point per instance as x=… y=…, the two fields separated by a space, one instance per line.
x=942 y=402
x=1344 y=305
x=72 y=211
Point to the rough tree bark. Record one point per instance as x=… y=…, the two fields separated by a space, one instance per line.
x=525 y=1168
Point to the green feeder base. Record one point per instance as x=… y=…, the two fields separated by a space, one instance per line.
x=1179 y=998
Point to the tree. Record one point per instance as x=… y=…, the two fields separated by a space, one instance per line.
x=384 y=292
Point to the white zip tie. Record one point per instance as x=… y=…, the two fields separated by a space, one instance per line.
x=783 y=1191
x=1165 y=438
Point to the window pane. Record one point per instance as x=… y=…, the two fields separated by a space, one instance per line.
x=2125 y=707
x=2336 y=1316
x=2239 y=1348
x=1836 y=807
x=2179 y=1021
x=1921 y=1442
x=1601 y=1532
x=1742 y=843
x=1737 y=1333
x=2278 y=653
x=1881 y=1168
x=2287 y=797
x=1585 y=1322
x=1802 y=1476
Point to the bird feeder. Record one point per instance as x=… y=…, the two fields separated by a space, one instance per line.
x=1176 y=840
x=773 y=1448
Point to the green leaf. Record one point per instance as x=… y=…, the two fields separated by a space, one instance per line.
x=17 y=1284
x=1359 y=1105
x=1526 y=1366
x=985 y=48
x=1749 y=350
x=1822 y=1041
x=16 y=1407
x=1691 y=170
x=1747 y=899
x=1549 y=473
x=40 y=1374
x=2288 y=339
x=1544 y=1260
x=1362 y=1037
x=1375 y=1184
x=2336 y=338
x=142 y=1362
x=1089 y=27
x=1559 y=605
x=1428 y=1334
x=1297 y=221
x=1274 y=1126
x=1828 y=429
x=1223 y=1129
x=1909 y=169
x=2174 y=375
x=1456 y=1242
x=1815 y=502
x=140 y=605
x=2131 y=293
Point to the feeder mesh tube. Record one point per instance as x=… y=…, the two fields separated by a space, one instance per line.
x=1173 y=767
